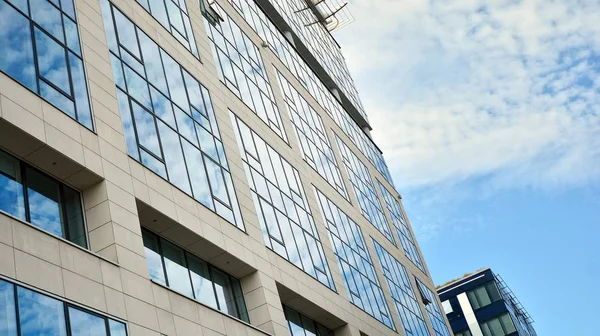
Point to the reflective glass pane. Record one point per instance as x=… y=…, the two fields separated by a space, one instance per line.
x=200 y=185
x=146 y=129
x=17 y=49
x=127 y=120
x=177 y=272
x=74 y=214
x=72 y=35
x=11 y=195
x=203 y=286
x=8 y=317
x=495 y=327
x=153 y=258
x=44 y=202
x=239 y=299
x=84 y=113
x=174 y=157
x=493 y=291
x=117 y=328
x=224 y=292
x=52 y=61
x=48 y=17
x=40 y=315
x=507 y=324
x=85 y=324
x=482 y=296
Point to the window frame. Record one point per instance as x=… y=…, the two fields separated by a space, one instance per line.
x=23 y=166
x=67 y=50
x=241 y=312
x=66 y=305
x=476 y=296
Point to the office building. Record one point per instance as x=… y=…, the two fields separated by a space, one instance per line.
x=481 y=304
x=173 y=167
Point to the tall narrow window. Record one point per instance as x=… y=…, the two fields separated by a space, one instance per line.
x=284 y=215
x=364 y=189
x=402 y=229
x=240 y=67
x=33 y=196
x=484 y=295
x=434 y=311
x=41 y=50
x=354 y=261
x=168 y=117
x=193 y=277
x=405 y=300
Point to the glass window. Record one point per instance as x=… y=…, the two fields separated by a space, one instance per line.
x=43 y=196
x=404 y=297
x=86 y=324
x=11 y=197
x=8 y=317
x=463 y=333
x=285 y=218
x=55 y=70
x=355 y=263
x=498 y=326
x=364 y=189
x=193 y=277
x=484 y=295
x=301 y=325
x=32 y=196
x=241 y=69
x=176 y=266
x=153 y=258
x=168 y=118
x=201 y=280
x=436 y=317
x=402 y=230
x=287 y=54
x=41 y=315
x=173 y=17
x=311 y=134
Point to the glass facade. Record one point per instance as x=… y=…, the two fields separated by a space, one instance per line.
x=321 y=45
x=241 y=69
x=191 y=276
x=261 y=24
x=24 y=312
x=173 y=15
x=402 y=230
x=364 y=189
x=301 y=325
x=312 y=136
x=498 y=326
x=285 y=218
x=354 y=261
x=403 y=294
x=463 y=333
x=41 y=50
x=34 y=197
x=436 y=316
x=168 y=118
x=484 y=295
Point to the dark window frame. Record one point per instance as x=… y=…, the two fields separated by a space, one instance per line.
x=68 y=50
x=66 y=305
x=233 y=207
x=64 y=221
x=241 y=312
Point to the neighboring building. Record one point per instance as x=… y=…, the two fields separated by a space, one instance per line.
x=193 y=168
x=481 y=304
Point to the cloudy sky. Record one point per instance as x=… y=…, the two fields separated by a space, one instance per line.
x=488 y=113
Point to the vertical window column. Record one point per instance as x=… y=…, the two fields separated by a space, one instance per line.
x=42 y=51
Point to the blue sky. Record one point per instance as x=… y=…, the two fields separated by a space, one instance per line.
x=488 y=113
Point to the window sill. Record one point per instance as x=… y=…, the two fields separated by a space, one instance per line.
x=59 y=238
x=211 y=308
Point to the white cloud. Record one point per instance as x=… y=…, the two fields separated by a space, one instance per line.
x=458 y=90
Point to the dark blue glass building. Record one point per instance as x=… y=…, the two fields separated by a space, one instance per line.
x=481 y=304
